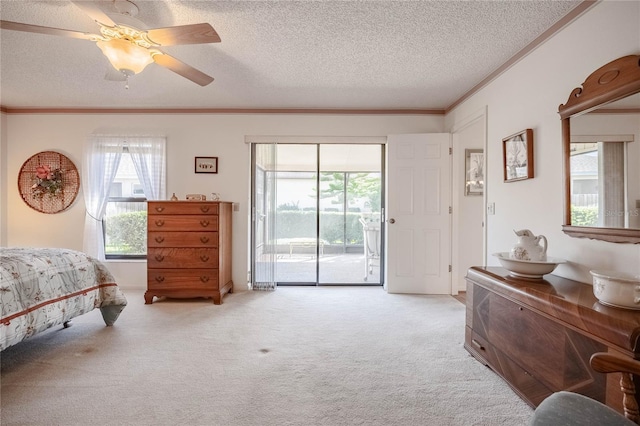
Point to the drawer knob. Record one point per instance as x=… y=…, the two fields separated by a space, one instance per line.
x=204 y=278
x=204 y=258
x=159 y=222
x=159 y=209
x=204 y=209
x=159 y=257
x=159 y=278
x=204 y=240
x=159 y=239
x=204 y=223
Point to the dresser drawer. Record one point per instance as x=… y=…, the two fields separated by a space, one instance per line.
x=191 y=207
x=177 y=279
x=182 y=223
x=182 y=257
x=183 y=239
x=525 y=384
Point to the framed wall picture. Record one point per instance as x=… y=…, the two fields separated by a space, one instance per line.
x=518 y=156
x=473 y=172
x=206 y=165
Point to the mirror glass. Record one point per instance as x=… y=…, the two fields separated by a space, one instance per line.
x=601 y=154
x=605 y=166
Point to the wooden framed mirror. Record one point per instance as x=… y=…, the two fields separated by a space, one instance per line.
x=614 y=154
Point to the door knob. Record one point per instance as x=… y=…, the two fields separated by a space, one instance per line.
x=392 y=220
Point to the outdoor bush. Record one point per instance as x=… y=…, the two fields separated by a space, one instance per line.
x=584 y=216
x=289 y=206
x=126 y=233
x=302 y=224
x=296 y=223
x=332 y=228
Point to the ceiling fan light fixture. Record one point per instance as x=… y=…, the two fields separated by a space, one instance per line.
x=124 y=55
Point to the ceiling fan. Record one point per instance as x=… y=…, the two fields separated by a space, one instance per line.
x=128 y=48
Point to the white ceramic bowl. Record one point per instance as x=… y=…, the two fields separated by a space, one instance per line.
x=617 y=289
x=528 y=268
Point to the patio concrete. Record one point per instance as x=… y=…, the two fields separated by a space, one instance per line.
x=345 y=269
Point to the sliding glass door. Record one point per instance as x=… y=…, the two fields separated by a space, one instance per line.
x=349 y=206
x=326 y=214
x=297 y=214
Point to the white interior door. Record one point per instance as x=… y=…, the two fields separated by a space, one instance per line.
x=418 y=215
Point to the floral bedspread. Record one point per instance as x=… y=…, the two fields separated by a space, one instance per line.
x=44 y=287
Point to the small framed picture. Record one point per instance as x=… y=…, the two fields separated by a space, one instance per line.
x=518 y=156
x=206 y=165
x=474 y=171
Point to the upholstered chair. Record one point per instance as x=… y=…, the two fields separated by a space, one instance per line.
x=572 y=409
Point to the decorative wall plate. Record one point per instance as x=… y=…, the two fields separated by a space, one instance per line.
x=48 y=182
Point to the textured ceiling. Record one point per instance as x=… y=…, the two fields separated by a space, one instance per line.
x=278 y=54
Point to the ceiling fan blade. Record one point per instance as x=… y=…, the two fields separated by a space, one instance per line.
x=91 y=8
x=28 y=28
x=184 y=34
x=187 y=71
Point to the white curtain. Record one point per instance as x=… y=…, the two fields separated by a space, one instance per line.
x=101 y=161
x=148 y=155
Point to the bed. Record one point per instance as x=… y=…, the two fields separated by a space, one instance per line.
x=44 y=287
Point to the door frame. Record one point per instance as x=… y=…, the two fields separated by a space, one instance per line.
x=319 y=140
x=458 y=241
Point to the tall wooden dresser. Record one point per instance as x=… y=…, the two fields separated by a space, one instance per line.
x=189 y=249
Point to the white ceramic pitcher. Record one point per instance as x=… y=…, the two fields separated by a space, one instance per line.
x=529 y=247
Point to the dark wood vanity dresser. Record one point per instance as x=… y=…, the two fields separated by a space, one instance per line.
x=538 y=335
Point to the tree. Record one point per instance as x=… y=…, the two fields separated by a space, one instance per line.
x=358 y=186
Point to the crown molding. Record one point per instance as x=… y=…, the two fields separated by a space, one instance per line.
x=334 y=111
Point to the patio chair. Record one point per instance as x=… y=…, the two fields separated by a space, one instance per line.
x=371 y=233
x=572 y=409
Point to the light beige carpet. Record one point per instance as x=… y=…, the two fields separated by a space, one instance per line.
x=296 y=356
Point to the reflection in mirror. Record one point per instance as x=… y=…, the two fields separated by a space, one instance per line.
x=604 y=169
x=601 y=132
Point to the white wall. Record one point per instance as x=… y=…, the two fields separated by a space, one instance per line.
x=527 y=96
x=3 y=179
x=188 y=136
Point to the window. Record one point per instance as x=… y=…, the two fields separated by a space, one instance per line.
x=125 y=221
x=120 y=173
